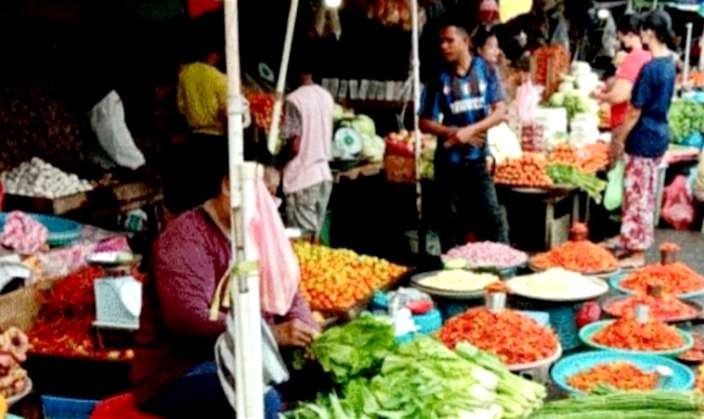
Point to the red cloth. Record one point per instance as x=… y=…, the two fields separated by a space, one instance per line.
x=175 y=334
x=122 y=406
x=629 y=71
x=201 y=7
x=639 y=203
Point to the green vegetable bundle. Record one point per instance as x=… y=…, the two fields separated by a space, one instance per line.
x=354 y=349
x=564 y=174
x=685 y=118
x=424 y=379
x=626 y=405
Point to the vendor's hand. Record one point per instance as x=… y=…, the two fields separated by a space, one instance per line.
x=294 y=333
x=616 y=150
x=466 y=135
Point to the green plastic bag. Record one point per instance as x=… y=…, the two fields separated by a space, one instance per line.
x=613 y=197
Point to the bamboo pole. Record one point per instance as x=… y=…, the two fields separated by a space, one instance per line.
x=245 y=289
x=415 y=67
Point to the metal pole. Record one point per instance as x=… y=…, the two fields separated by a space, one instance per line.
x=687 y=51
x=249 y=385
x=281 y=84
x=415 y=65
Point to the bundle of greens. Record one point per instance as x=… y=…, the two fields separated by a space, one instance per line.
x=685 y=118
x=424 y=379
x=354 y=349
x=626 y=405
x=564 y=174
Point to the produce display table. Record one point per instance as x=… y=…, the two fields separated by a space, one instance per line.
x=369 y=169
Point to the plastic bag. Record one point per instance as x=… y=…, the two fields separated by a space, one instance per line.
x=278 y=266
x=107 y=119
x=678 y=209
x=613 y=197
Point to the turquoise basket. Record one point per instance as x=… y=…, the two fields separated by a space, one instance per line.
x=587 y=333
x=682 y=377
x=616 y=280
x=62 y=232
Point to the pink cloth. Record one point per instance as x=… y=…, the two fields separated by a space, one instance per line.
x=640 y=186
x=629 y=71
x=278 y=266
x=23 y=234
x=311 y=165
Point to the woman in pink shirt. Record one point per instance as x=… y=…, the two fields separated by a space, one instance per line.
x=619 y=92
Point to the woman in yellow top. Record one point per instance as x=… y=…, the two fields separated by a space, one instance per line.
x=202 y=95
x=202 y=100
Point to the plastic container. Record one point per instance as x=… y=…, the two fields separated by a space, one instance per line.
x=66 y=408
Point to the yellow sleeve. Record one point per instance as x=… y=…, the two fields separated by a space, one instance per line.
x=221 y=91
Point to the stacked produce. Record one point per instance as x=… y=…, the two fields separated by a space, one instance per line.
x=419 y=379
x=336 y=279
x=632 y=335
x=37 y=178
x=618 y=375
x=625 y=405
x=486 y=255
x=64 y=326
x=674 y=279
x=557 y=283
x=373 y=146
x=574 y=93
x=564 y=174
x=551 y=63
x=400 y=155
x=686 y=117
x=512 y=336
x=589 y=159
x=529 y=171
x=580 y=256
x=459 y=281
x=261 y=106
x=696 y=79
x=664 y=307
x=13 y=351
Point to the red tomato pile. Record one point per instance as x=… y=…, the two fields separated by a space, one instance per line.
x=675 y=279
x=261 y=106
x=589 y=159
x=514 y=337
x=619 y=375
x=65 y=323
x=629 y=334
x=337 y=279
x=529 y=171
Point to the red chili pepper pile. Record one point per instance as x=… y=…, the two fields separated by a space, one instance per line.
x=65 y=323
x=675 y=278
x=619 y=375
x=629 y=334
x=665 y=308
x=579 y=256
x=514 y=337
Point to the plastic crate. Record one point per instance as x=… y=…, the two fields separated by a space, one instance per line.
x=66 y=408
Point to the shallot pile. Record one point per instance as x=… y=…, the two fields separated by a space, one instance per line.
x=487 y=255
x=37 y=178
x=13 y=350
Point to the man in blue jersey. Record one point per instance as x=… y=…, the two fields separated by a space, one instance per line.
x=459 y=106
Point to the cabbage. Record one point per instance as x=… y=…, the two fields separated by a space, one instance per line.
x=364 y=125
x=373 y=148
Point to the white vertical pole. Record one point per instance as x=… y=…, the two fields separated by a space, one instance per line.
x=415 y=64
x=281 y=83
x=245 y=289
x=687 y=50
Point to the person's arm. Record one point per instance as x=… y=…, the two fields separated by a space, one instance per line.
x=300 y=310
x=642 y=92
x=292 y=130
x=619 y=92
x=185 y=282
x=430 y=111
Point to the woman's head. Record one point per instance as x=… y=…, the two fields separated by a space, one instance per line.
x=628 y=29
x=486 y=44
x=656 y=29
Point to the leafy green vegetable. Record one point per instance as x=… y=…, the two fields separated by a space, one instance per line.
x=685 y=118
x=357 y=348
x=565 y=174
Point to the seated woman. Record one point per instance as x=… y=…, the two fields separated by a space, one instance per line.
x=174 y=373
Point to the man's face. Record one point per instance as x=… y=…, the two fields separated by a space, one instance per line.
x=453 y=43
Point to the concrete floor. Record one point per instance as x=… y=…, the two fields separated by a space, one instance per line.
x=692 y=244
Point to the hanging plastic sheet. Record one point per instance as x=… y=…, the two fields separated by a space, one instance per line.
x=508 y=9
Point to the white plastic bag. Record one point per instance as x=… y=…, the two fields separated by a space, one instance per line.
x=107 y=118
